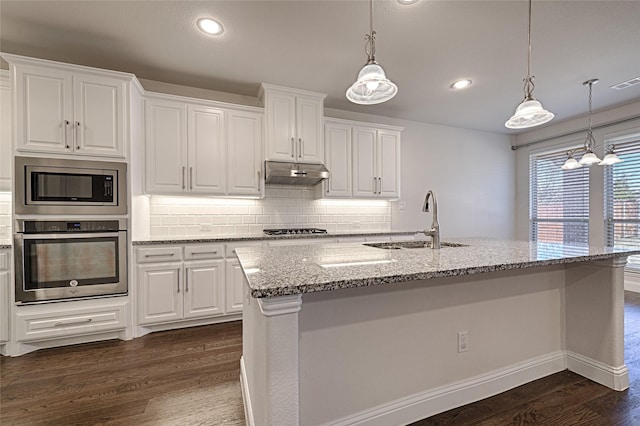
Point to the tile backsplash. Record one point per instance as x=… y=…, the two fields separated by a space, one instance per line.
x=284 y=206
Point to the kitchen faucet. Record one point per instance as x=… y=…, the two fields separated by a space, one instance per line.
x=434 y=232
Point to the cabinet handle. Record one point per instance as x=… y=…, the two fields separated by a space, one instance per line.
x=178 y=283
x=259 y=182
x=293 y=147
x=375 y=185
x=159 y=255
x=203 y=252
x=190 y=177
x=379 y=185
x=184 y=169
x=75 y=134
x=186 y=281
x=301 y=146
x=83 y=321
x=66 y=130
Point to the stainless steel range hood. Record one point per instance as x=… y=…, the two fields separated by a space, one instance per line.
x=294 y=173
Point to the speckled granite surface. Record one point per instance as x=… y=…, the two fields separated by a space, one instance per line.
x=279 y=271
x=5 y=246
x=257 y=237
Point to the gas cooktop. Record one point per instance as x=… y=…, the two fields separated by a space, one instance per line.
x=296 y=231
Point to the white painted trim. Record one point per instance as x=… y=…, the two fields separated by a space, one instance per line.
x=281 y=305
x=616 y=378
x=425 y=404
x=246 y=396
x=632 y=281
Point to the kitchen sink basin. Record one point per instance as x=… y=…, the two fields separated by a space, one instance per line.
x=397 y=245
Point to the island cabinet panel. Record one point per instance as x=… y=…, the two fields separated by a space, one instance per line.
x=65 y=109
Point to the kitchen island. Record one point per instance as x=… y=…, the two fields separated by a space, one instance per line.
x=355 y=334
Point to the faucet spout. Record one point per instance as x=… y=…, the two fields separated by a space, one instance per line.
x=434 y=232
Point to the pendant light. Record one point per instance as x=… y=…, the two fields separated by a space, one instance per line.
x=590 y=158
x=372 y=86
x=530 y=112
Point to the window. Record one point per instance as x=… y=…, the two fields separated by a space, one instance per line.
x=559 y=205
x=622 y=199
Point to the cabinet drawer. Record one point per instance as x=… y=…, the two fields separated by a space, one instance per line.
x=159 y=254
x=40 y=324
x=230 y=250
x=209 y=251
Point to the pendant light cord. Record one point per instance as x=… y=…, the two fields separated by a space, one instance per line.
x=370 y=47
x=529 y=56
x=528 y=82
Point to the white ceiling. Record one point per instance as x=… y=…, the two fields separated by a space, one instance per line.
x=319 y=46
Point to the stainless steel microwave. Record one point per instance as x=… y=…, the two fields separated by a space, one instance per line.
x=62 y=186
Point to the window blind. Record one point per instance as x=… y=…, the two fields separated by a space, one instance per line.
x=622 y=199
x=559 y=204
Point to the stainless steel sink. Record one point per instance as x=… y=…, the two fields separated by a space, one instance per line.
x=397 y=245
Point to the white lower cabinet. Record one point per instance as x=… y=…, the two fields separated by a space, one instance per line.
x=5 y=285
x=235 y=286
x=172 y=289
x=70 y=319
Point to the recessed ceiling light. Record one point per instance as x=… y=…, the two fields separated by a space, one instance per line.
x=460 y=84
x=210 y=26
x=407 y=1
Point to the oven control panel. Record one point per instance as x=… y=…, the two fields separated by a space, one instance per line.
x=57 y=226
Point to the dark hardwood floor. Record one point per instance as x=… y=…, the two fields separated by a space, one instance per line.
x=191 y=377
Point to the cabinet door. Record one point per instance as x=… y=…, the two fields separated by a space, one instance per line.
x=5 y=283
x=206 y=172
x=337 y=147
x=6 y=144
x=44 y=110
x=166 y=147
x=160 y=290
x=204 y=288
x=234 y=286
x=309 y=129
x=99 y=107
x=389 y=164
x=364 y=162
x=280 y=126
x=244 y=153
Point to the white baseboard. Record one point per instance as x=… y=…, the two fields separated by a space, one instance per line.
x=246 y=397
x=616 y=378
x=425 y=404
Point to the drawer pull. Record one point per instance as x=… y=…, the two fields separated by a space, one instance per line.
x=204 y=252
x=61 y=323
x=159 y=255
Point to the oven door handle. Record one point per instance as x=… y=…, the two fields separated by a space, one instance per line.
x=70 y=235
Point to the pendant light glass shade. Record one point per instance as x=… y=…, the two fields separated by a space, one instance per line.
x=589 y=159
x=529 y=113
x=372 y=86
x=610 y=159
x=571 y=164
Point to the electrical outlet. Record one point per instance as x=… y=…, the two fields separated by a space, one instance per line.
x=205 y=227
x=463 y=341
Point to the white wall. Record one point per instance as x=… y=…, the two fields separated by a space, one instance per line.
x=472 y=174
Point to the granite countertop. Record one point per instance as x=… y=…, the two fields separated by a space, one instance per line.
x=261 y=236
x=287 y=270
x=4 y=245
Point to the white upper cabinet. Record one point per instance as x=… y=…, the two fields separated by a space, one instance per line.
x=363 y=160
x=166 y=146
x=202 y=148
x=206 y=150
x=6 y=145
x=293 y=124
x=337 y=148
x=68 y=109
x=244 y=153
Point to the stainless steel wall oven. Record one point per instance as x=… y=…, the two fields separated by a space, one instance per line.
x=61 y=186
x=61 y=260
